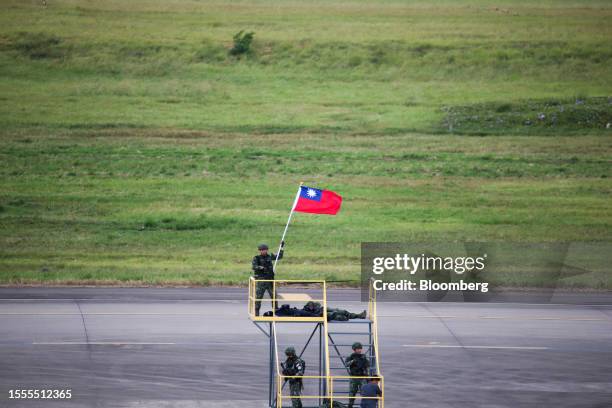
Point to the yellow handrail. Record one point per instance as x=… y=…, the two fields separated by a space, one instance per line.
x=330 y=390
x=279 y=386
x=289 y=280
x=275 y=282
x=374 y=319
x=326 y=337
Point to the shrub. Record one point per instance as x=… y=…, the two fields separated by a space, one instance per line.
x=242 y=43
x=150 y=223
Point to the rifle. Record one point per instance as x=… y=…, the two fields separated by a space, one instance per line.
x=284 y=370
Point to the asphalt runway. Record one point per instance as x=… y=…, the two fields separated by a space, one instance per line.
x=197 y=348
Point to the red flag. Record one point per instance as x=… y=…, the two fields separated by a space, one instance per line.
x=313 y=200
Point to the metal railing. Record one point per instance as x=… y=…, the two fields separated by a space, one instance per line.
x=374 y=318
x=276 y=283
x=332 y=394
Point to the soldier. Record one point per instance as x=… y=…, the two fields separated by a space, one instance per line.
x=358 y=366
x=342 y=315
x=371 y=389
x=263 y=266
x=294 y=366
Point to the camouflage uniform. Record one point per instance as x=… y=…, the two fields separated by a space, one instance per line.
x=358 y=365
x=294 y=366
x=336 y=404
x=343 y=315
x=263 y=266
x=316 y=309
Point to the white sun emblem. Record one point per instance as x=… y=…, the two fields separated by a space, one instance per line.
x=311 y=193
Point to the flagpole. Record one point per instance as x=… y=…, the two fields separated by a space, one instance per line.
x=297 y=196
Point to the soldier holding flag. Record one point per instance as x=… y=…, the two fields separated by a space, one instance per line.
x=263 y=267
x=308 y=200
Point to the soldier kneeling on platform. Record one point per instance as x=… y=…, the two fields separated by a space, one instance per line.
x=294 y=366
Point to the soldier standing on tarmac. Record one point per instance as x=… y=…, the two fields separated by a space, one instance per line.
x=263 y=267
x=294 y=366
x=358 y=366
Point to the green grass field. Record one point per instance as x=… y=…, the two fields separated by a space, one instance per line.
x=136 y=150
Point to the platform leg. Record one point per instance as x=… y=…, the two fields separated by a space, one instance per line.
x=320 y=362
x=271 y=370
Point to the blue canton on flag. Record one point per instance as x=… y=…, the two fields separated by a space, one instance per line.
x=310 y=193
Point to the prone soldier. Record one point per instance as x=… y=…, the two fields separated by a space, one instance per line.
x=316 y=309
x=343 y=315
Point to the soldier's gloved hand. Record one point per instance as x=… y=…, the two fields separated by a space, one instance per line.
x=282 y=244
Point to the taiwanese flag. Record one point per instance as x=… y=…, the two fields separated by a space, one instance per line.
x=313 y=200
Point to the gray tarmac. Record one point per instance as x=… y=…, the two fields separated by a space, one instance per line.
x=153 y=347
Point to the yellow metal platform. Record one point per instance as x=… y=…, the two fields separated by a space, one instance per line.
x=281 y=290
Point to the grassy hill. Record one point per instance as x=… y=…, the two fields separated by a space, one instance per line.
x=137 y=149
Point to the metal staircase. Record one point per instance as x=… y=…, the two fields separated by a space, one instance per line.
x=340 y=343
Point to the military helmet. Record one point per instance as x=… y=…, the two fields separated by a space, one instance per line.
x=290 y=351
x=357 y=345
x=262 y=246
